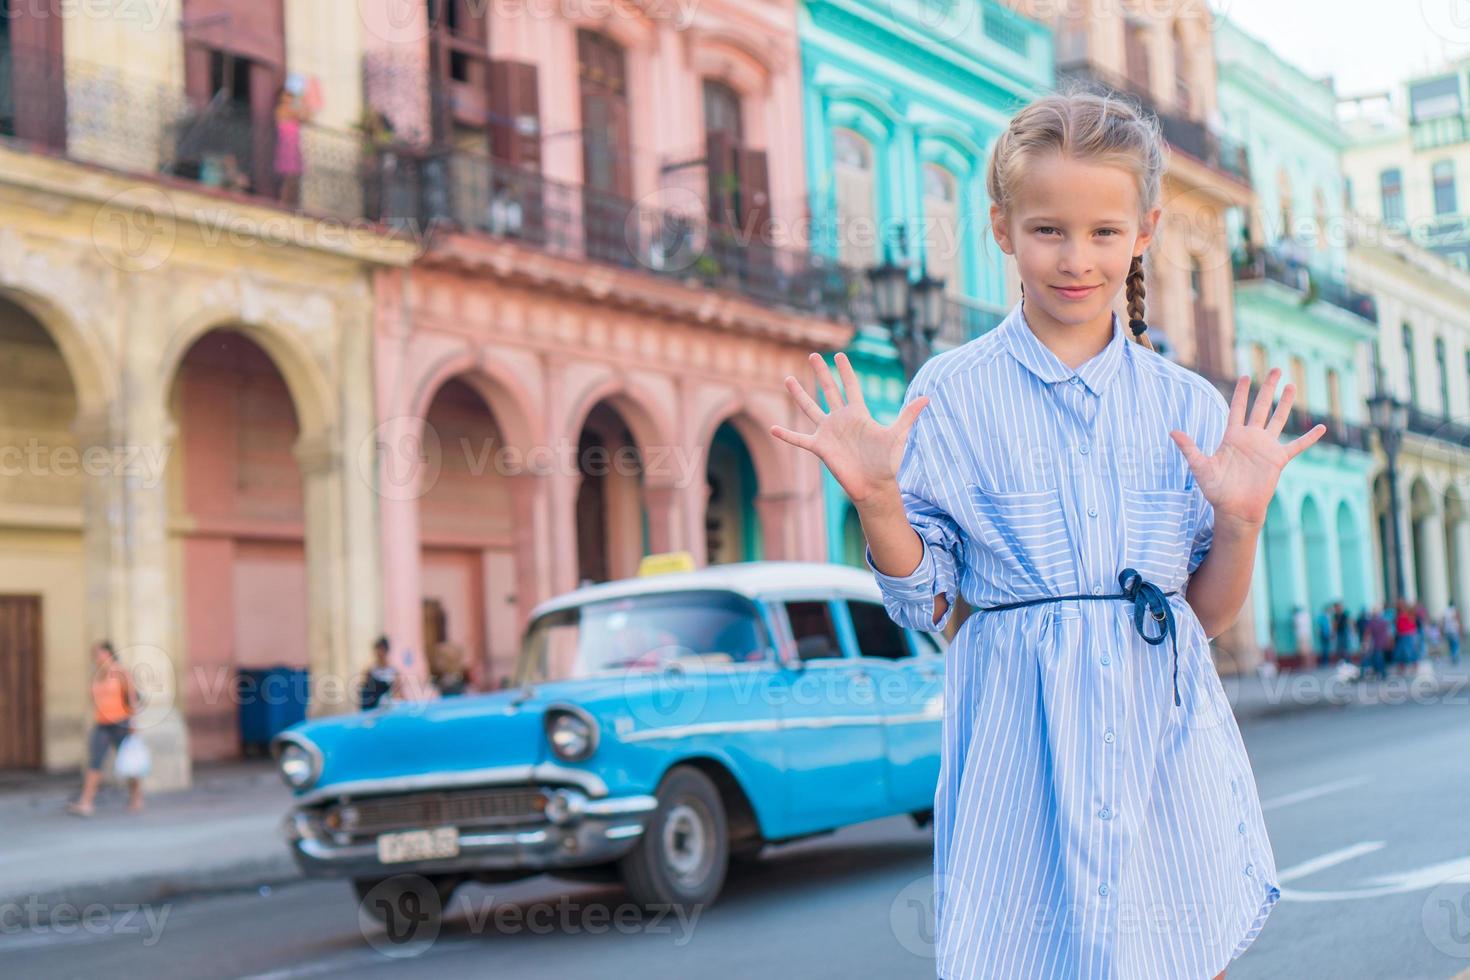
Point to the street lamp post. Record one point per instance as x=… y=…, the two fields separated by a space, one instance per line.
x=1391 y=418
x=911 y=310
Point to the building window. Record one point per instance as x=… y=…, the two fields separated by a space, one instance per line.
x=1409 y=377
x=1334 y=396
x=1434 y=98
x=1391 y=185
x=1443 y=369
x=1259 y=363
x=943 y=245
x=857 y=199
x=1443 y=174
x=1299 y=378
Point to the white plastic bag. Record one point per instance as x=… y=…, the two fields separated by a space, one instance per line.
x=132 y=760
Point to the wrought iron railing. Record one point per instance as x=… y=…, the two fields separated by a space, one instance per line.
x=1340 y=432
x=1269 y=263
x=965 y=319
x=1182 y=132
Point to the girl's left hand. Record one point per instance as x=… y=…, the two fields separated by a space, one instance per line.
x=1240 y=478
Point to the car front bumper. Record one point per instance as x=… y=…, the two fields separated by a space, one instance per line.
x=592 y=831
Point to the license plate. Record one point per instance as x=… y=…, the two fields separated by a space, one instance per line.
x=418 y=845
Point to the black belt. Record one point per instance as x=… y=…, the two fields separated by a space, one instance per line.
x=1146 y=598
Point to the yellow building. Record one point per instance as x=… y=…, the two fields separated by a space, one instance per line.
x=186 y=333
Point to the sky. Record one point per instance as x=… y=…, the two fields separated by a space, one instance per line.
x=1367 y=45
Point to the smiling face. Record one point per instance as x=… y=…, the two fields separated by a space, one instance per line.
x=1074 y=228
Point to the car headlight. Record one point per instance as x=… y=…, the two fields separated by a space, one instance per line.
x=300 y=764
x=571 y=732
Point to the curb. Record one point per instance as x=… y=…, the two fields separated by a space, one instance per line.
x=152 y=889
x=1308 y=692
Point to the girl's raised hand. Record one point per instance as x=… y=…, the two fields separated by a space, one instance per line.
x=1241 y=477
x=862 y=455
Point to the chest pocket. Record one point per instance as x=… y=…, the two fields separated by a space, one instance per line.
x=1158 y=524
x=1027 y=533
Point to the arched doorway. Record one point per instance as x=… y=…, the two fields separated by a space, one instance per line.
x=236 y=505
x=1352 y=560
x=1281 y=565
x=467 y=534
x=1319 y=558
x=732 y=524
x=44 y=481
x=1457 y=545
x=612 y=519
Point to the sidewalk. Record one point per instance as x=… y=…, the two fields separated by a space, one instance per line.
x=220 y=834
x=1253 y=697
x=223 y=832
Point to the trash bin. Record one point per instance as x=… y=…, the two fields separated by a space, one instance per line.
x=271 y=700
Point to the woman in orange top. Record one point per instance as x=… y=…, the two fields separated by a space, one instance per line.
x=114 y=701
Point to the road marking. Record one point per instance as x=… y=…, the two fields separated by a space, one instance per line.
x=1312 y=792
x=1417 y=879
x=1328 y=860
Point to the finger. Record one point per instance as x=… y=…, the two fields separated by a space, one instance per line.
x=1262 y=407
x=909 y=415
x=804 y=400
x=826 y=382
x=798 y=439
x=1238 y=400
x=1192 y=454
x=851 y=386
x=1283 y=409
x=1304 y=441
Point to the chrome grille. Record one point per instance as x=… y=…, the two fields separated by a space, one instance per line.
x=505 y=806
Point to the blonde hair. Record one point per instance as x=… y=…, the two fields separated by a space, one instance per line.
x=1098 y=127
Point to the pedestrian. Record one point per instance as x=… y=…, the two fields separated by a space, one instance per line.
x=447 y=668
x=1406 y=638
x=114 y=703
x=1380 y=637
x=1301 y=628
x=1342 y=627
x=1361 y=626
x=1082 y=763
x=1452 y=632
x=379 y=680
x=1323 y=624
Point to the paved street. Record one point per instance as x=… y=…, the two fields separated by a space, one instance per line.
x=1366 y=806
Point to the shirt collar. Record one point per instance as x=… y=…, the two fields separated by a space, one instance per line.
x=1037 y=358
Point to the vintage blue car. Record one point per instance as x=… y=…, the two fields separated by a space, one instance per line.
x=660 y=727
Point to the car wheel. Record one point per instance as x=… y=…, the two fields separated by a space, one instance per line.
x=405 y=897
x=922 y=818
x=681 y=858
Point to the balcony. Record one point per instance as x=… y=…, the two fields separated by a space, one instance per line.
x=1183 y=133
x=1348 y=435
x=1439 y=427
x=102 y=117
x=965 y=319
x=1313 y=284
x=473 y=192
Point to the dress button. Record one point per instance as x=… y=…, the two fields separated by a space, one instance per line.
x=1103 y=889
x=1075 y=380
x=1241 y=827
x=1106 y=660
x=1105 y=813
x=1097 y=590
x=1092 y=512
x=1108 y=735
x=1250 y=870
x=1084 y=449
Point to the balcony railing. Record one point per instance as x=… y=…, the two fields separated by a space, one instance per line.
x=965 y=319
x=1313 y=284
x=1189 y=135
x=101 y=116
x=476 y=193
x=1439 y=427
x=1348 y=435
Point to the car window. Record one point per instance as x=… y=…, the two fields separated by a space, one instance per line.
x=813 y=630
x=927 y=645
x=877 y=634
x=645 y=632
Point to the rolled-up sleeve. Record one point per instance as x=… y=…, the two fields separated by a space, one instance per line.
x=909 y=599
x=1211 y=415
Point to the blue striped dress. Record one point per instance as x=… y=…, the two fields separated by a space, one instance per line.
x=1085 y=826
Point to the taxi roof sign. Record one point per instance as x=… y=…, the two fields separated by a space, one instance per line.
x=666 y=562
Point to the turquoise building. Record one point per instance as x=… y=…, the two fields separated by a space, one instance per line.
x=1294 y=310
x=903 y=100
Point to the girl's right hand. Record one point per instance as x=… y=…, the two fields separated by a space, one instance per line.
x=862 y=455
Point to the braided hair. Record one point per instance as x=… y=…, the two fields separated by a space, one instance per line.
x=1101 y=127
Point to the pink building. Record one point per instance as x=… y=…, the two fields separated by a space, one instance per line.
x=584 y=364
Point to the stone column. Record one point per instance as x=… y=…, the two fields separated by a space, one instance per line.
x=319 y=458
x=1435 y=579
x=1461 y=531
x=407 y=457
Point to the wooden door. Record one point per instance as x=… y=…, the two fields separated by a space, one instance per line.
x=20 y=682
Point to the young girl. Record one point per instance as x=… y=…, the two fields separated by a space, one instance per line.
x=1096 y=814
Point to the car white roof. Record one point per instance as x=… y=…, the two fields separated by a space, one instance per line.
x=753 y=579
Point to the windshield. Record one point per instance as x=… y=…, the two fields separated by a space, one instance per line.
x=646 y=632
